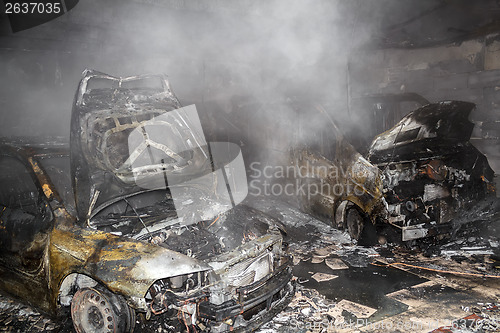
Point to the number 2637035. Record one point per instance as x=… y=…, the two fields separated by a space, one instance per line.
x=33 y=8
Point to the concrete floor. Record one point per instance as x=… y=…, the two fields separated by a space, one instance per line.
x=343 y=287
x=359 y=292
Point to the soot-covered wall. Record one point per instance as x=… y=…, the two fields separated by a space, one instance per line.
x=469 y=71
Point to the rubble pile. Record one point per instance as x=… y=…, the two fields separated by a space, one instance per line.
x=17 y=317
x=483 y=318
x=489 y=318
x=307 y=310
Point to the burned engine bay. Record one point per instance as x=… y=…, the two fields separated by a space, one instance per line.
x=158 y=223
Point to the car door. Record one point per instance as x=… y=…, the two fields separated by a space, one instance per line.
x=25 y=218
x=317 y=173
x=329 y=171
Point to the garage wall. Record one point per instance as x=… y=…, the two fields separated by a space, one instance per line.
x=468 y=72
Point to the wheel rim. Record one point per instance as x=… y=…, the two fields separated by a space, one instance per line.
x=92 y=312
x=94 y=318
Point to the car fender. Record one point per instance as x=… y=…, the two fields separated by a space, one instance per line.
x=124 y=266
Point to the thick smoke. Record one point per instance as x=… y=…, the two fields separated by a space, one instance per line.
x=252 y=67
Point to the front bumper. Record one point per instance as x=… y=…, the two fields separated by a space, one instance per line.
x=272 y=295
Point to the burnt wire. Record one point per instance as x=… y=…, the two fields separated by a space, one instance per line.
x=181 y=314
x=138 y=216
x=181 y=320
x=213 y=222
x=157 y=312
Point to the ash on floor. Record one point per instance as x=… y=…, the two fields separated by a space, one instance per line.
x=333 y=272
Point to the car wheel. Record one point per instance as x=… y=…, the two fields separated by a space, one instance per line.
x=99 y=311
x=355 y=223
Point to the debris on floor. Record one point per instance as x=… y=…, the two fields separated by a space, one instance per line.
x=307 y=310
x=483 y=318
x=358 y=310
x=335 y=263
x=317 y=259
x=17 y=317
x=320 y=277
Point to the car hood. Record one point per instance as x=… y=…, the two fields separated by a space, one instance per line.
x=209 y=239
x=117 y=125
x=434 y=129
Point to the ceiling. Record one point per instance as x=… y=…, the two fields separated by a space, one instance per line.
x=382 y=23
x=425 y=23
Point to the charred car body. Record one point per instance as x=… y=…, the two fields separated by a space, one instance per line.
x=421 y=176
x=129 y=244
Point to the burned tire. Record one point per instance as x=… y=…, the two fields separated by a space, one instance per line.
x=99 y=311
x=354 y=223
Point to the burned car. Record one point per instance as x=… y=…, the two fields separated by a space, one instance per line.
x=144 y=221
x=421 y=177
x=431 y=172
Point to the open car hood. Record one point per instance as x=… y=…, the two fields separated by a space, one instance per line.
x=434 y=129
x=119 y=128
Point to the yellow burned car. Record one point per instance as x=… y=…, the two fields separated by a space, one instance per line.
x=96 y=236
